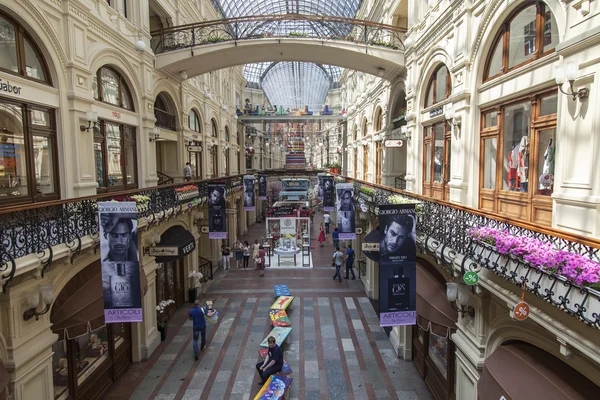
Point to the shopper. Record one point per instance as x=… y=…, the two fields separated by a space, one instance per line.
x=187 y=172
x=197 y=315
x=311 y=214
x=326 y=220
x=350 y=262
x=239 y=254
x=273 y=362
x=226 y=253
x=335 y=236
x=246 y=255
x=255 y=247
x=321 y=239
x=260 y=261
x=337 y=263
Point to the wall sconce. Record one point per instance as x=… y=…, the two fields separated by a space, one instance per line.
x=568 y=72
x=450 y=116
x=380 y=72
x=188 y=141
x=454 y=291
x=46 y=291
x=92 y=119
x=155 y=134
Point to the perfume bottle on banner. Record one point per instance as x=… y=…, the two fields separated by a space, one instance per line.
x=218 y=223
x=120 y=287
x=398 y=291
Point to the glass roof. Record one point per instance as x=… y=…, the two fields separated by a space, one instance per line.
x=291 y=84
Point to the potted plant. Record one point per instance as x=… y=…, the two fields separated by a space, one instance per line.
x=334 y=167
x=194 y=277
x=187 y=192
x=162 y=318
x=367 y=193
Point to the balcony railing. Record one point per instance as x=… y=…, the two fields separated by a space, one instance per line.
x=165 y=120
x=206 y=268
x=37 y=228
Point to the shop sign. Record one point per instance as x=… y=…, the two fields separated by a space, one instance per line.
x=116 y=114
x=436 y=111
x=167 y=251
x=393 y=143
x=194 y=149
x=5 y=86
x=471 y=278
x=370 y=246
x=521 y=311
x=359 y=231
x=204 y=229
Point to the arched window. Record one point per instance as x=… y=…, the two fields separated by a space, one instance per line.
x=440 y=86
x=112 y=89
x=227 y=134
x=378 y=122
x=165 y=111
x=19 y=53
x=528 y=34
x=214 y=132
x=194 y=122
x=355 y=145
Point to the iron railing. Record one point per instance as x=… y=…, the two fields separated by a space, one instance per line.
x=322 y=28
x=206 y=268
x=164 y=179
x=400 y=182
x=165 y=120
x=361 y=265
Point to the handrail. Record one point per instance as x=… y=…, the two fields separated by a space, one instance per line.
x=280 y=17
x=164 y=179
x=203 y=264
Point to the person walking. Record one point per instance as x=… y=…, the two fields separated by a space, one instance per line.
x=239 y=254
x=335 y=236
x=199 y=325
x=187 y=172
x=337 y=262
x=311 y=214
x=246 y=255
x=321 y=239
x=255 y=247
x=273 y=362
x=350 y=262
x=260 y=261
x=326 y=220
x=226 y=253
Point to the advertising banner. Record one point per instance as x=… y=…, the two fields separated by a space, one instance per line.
x=345 y=211
x=249 y=193
x=328 y=194
x=217 y=220
x=320 y=176
x=397 y=265
x=262 y=187
x=120 y=262
x=288 y=226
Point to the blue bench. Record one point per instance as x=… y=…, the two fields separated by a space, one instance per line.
x=274 y=388
x=281 y=290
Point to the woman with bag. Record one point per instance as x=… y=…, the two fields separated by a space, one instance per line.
x=260 y=261
x=255 y=248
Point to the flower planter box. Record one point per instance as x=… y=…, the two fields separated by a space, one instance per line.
x=142 y=207
x=186 y=196
x=580 y=301
x=366 y=197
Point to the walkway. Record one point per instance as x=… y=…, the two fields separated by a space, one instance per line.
x=337 y=349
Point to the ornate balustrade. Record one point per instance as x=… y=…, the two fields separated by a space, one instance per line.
x=206 y=268
x=322 y=28
x=165 y=120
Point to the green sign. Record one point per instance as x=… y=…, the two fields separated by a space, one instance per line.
x=471 y=278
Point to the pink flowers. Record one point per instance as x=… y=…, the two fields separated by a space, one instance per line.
x=188 y=188
x=574 y=267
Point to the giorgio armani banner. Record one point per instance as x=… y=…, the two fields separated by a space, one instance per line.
x=262 y=187
x=217 y=221
x=328 y=194
x=345 y=211
x=320 y=176
x=397 y=265
x=249 y=193
x=120 y=262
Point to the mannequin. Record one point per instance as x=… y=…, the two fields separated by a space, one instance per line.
x=523 y=164
x=546 y=179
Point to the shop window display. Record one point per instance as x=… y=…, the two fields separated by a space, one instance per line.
x=60 y=368
x=438 y=353
x=91 y=351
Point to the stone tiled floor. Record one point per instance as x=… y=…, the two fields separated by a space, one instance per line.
x=336 y=348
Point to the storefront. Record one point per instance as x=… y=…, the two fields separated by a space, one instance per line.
x=519 y=370
x=89 y=354
x=433 y=351
x=170 y=275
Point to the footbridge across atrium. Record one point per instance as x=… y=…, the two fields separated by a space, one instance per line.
x=360 y=45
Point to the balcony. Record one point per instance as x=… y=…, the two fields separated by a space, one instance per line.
x=165 y=120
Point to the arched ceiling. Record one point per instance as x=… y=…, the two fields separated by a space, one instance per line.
x=292 y=84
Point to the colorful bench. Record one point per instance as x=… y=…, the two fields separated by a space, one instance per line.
x=280 y=334
x=282 y=303
x=279 y=318
x=281 y=290
x=274 y=388
x=286 y=370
